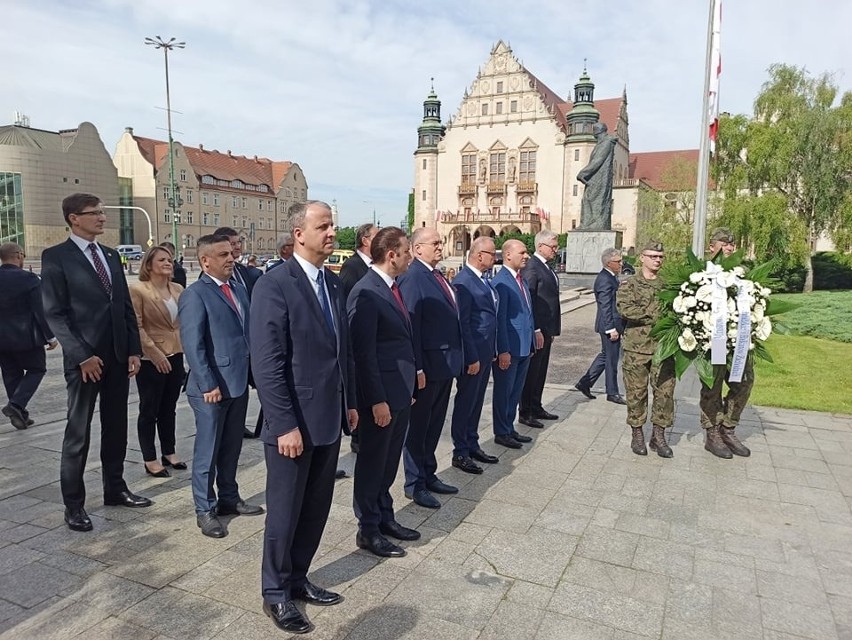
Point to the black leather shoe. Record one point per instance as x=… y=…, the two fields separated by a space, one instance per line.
x=210 y=525
x=248 y=434
x=30 y=421
x=466 y=464
x=530 y=422
x=310 y=592
x=545 y=415
x=77 y=519
x=396 y=530
x=586 y=391
x=517 y=436
x=242 y=508
x=287 y=617
x=480 y=456
x=424 y=499
x=436 y=486
x=126 y=499
x=15 y=415
x=379 y=545
x=162 y=473
x=507 y=441
x=616 y=399
x=354 y=446
x=339 y=474
x=180 y=466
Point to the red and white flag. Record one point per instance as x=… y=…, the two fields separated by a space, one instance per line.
x=438 y=215
x=714 y=71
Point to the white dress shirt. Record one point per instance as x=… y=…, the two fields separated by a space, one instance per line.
x=83 y=245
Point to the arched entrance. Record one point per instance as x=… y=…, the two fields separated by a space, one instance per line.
x=484 y=230
x=459 y=240
x=509 y=229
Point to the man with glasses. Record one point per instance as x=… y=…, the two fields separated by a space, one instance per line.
x=23 y=334
x=284 y=246
x=87 y=305
x=639 y=306
x=720 y=416
x=547 y=312
x=609 y=326
x=436 y=333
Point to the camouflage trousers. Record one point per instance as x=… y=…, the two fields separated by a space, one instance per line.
x=716 y=410
x=639 y=372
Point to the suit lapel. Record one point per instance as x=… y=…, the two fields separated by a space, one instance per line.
x=385 y=293
x=306 y=289
x=74 y=253
x=159 y=304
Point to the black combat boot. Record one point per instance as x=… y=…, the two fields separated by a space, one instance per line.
x=658 y=443
x=733 y=442
x=714 y=444
x=637 y=444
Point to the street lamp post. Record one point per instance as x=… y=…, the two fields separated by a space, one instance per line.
x=174 y=199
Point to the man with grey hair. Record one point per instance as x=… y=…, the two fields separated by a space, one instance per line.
x=284 y=247
x=357 y=265
x=547 y=313
x=610 y=326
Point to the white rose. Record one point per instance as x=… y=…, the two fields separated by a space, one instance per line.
x=739 y=271
x=725 y=279
x=689 y=302
x=757 y=313
x=763 y=329
x=685 y=287
x=765 y=292
x=697 y=277
x=678 y=305
x=687 y=340
x=704 y=293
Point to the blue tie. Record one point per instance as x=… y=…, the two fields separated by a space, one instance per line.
x=324 y=303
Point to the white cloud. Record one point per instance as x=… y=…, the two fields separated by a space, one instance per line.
x=338 y=86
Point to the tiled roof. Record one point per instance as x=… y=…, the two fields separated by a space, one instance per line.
x=222 y=166
x=551 y=99
x=652 y=166
x=609 y=109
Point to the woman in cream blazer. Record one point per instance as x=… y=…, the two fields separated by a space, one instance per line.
x=159 y=381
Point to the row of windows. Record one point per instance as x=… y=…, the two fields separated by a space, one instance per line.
x=498 y=107
x=234 y=184
x=524 y=171
x=236 y=201
x=214 y=220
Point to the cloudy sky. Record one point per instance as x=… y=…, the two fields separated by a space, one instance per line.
x=338 y=85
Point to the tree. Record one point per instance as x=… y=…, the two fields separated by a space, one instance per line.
x=346 y=238
x=798 y=145
x=411 y=212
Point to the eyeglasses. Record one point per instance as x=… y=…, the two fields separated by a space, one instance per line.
x=436 y=243
x=490 y=253
x=99 y=212
x=555 y=247
x=618 y=261
x=653 y=257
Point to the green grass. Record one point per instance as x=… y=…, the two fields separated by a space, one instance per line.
x=821 y=314
x=807 y=373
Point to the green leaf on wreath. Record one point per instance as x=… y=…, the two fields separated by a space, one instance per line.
x=693 y=262
x=705 y=370
x=682 y=363
x=780 y=327
x=733 y=260
x=666 y=347
x=760 y=273
x=760 y=351
x=777 y=306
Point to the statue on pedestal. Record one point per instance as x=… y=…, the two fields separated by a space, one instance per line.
x=596 y=212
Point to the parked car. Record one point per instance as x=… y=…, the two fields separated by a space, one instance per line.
x=335 y=260
x=130 y=251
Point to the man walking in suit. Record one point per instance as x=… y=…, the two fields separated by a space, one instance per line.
x=515 y=343
x=381 y=338
x=478 y=313
x=356 y=266
x=303 y=368
x=88 y=308
x=610 y=326
x=547 y=314
x=23 y=334
x=214 y=317
x=436 y=332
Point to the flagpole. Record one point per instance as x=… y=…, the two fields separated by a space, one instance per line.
x=700 y=221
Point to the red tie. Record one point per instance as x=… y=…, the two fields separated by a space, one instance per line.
x=226 y=289
x=100 y=269
x=399 y=301
x=444 y=286
x=521 y=285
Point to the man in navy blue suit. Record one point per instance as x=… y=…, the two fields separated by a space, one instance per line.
x=515 y=343
x=302 y=363
x=610 y=326
x=438 y=351
x=381 y=338
x=214 y=317
x=478 y=313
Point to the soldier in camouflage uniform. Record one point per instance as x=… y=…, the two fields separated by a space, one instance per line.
x=720 y=416
x=639 y=306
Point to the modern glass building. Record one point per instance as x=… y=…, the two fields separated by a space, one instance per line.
x=11 y=208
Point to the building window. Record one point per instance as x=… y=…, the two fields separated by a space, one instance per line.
x=165 y=193
x=64 y=179
x=485 y=108
x=245 y=203
x=269 y=205
x=468 y=168
x=208 y=180
x=499 y=108
x=215 y=219
x=189 y=196
x=183 y=175
x=423 y=196
x=189 y=217
x=76 y=180
x=235 y=202
x=11 y=208
x=234 y=221
x=260 y=205
x=574 y=190
x=573 y=224
x=204 y=198
x=215 y=199
x=498 y=166
x=260 y=244
x=527 y=169
x=576 y=155
x=499 y=87
x=513 y=106
x=205 y=218
x=245 y=222
x=424 y=164
x=271 y=224
x=167 y=216
x=260 y=223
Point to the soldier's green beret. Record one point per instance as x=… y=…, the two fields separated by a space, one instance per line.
x=722 y=235
x=653 y=245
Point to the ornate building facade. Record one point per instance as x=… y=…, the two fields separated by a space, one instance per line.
x=507 y=160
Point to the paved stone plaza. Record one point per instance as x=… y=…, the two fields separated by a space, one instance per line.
x=573 y=537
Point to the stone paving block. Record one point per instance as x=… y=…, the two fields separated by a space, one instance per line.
x=214 y=571
x=529 y=594
x=65 y=620
x=527 y=489
x=453 y=551
x=381 y=579
x=9 y=610
x=631 y=614
x=797 y=619
x=732 y=576
x=690 y=603
x=664 y=557
x=405 y=622
x=512 y=621
x=755 y=546
x=20 y=532
x=559 y=627
x=469 y=532
x=453 y=512
x=513 y=518
x=736 y=613
x=108 y=592
x=796 y=589
x=645 y=526
x=567 y=519
x=610 y=578
x=114 y=629
x=539 y=555
x=608 y=545
x=13 y=557
x=605 y=517
x=34 y=582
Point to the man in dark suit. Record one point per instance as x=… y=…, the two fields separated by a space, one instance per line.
x=610 y=326
x=547 y=313
x=214 y=317
x=241 y=274
x=178 y=272
x=88 y=308
x=436 y=332
x=381 y=339
x=478 y=314
x=356 y=266
x=23 y=334
x=284 y=246
x=302 y=364
x=515 y=343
